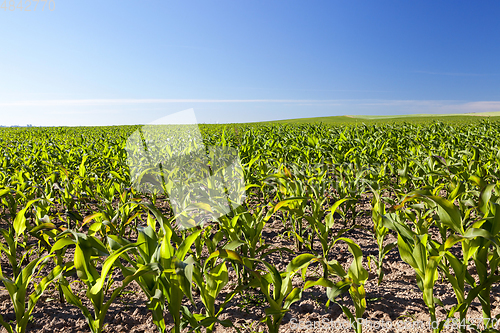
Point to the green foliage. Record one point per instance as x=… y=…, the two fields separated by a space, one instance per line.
x=380 y=232
x=434 y=185
x=88 y=251
x=24 y=270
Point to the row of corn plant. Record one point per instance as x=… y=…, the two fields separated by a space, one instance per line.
x=71 y=211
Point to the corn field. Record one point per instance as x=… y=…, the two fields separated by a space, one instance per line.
x=76 y=232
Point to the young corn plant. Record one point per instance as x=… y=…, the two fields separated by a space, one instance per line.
x=414 y=249
x=88 y=251
x=322 y=226
x=293 y=203
x=427 y=256
x=24 y=270
x=479 y=239
x=282 y=294
x=176 y=277
x=249 y=241
x=172 y=276
x=353 y=280
x=147 y=253
x=18 y=284
x=380 y=232
x=350 y=185
x=210 y=278
x=484 y=248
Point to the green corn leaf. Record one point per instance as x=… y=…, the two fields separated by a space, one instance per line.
x=299 y=262
x=106 y=267
x=430 y=278
x=294 y=296
x=86 y=272
x=75 y=300
x=20 y=222
x=406 y=253
x=62 y=243
x=148 y=239
x=186 y=244
x=388 y=247
x=225 y=254
x=356 y=271
x=484 y=198
x=82 y=170
x=290 y=202
x=449 y=214
x=320 y=282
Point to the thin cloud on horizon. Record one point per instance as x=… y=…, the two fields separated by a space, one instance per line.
x=88 y=106
x=362 y=102
x=91 y=102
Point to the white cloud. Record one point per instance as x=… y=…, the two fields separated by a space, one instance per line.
x=481 y=106
x=84 y=112
x=76 y=112
x=94 y=102
x=415 y=103
x=474 y=106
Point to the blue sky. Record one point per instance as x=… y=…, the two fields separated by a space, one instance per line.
x=131 y=62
